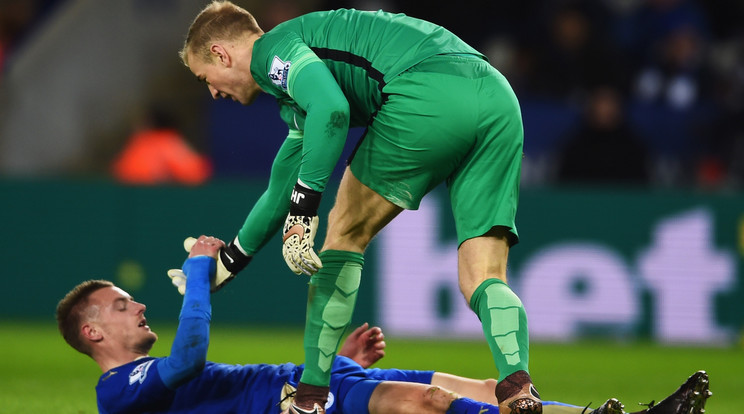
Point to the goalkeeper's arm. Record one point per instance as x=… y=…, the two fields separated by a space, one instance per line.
x=316 y=91
x=263 y=222
x=268 y=214
x=308 y=155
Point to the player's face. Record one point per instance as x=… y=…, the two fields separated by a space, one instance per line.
x=122 y=320
x=227 y=82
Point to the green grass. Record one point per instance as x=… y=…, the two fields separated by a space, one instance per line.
x=39 y=373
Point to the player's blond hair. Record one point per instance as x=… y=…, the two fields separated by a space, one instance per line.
x=220 y=20
x=73 y=311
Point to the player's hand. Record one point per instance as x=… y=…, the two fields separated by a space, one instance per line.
x=206 y=246
x=365 y=345
x=230 y=261
x=299 y=232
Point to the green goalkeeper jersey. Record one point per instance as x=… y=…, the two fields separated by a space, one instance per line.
x=315 y=64
x=362 y=50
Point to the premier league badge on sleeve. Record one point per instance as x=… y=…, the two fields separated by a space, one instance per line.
x=279 y=72
x=139 y=373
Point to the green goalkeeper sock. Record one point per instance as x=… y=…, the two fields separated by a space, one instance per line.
x=504 y=323
x=331 y=299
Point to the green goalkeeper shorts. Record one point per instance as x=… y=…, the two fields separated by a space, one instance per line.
x=453 y=119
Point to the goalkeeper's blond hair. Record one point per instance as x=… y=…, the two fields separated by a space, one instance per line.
x=219 y=20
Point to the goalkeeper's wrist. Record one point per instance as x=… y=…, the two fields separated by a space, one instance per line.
x=304 y=201
x=233 y=257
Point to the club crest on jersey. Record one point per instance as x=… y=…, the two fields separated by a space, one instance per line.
x=139 y=373
x=329 y=402
x=279 y=72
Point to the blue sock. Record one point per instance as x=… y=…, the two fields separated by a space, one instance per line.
x=467 y=406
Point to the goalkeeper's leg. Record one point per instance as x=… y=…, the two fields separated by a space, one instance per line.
x=331 y=299
x=482 y=271
x=358 y=214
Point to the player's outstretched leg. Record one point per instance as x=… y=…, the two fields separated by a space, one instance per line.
x=689 y=398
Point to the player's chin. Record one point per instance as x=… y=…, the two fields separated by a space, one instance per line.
x=145 y=343
x=150 y=339
x=248 y=99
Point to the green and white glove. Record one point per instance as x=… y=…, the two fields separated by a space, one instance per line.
x=178 y=278
x=299 y=231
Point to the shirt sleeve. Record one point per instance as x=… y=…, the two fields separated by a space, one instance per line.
x=315 y=90
x=271 y=209
x=288 y=69
x=189 y=350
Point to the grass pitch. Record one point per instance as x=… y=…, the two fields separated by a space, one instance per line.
x=39 y=373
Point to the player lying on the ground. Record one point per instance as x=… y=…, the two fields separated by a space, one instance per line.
x=104 y=322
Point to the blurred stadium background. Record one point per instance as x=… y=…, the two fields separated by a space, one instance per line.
x=631 y=217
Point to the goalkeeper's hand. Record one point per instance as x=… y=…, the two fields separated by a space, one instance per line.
x=230 y=261
x=178 y=278
x=299 y=231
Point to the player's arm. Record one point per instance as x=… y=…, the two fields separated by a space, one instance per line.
x=189 y=350
x=263 y=221
x=314 y=89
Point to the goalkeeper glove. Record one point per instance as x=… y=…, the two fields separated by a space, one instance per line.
x=299 y=231
x=230 y=261
x=178 y=278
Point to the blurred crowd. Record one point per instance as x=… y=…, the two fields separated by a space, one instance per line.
x=18 y=18
x=638 y=92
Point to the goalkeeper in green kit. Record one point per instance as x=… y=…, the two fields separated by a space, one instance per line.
x=435 y=111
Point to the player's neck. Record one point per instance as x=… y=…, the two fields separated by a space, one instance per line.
x=108 y=361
